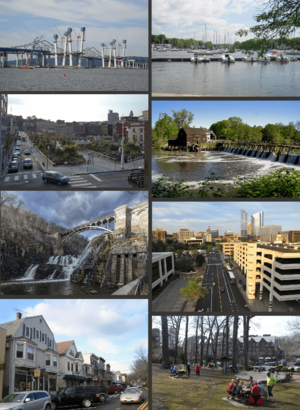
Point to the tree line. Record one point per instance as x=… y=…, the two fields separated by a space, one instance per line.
x=179 y=42
x=236 y=130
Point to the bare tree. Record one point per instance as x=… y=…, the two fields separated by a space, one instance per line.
x=234 y=340
x=186 y=337
x=165 y=339
x=176 y=322
x=140 y=365
x=246 y=339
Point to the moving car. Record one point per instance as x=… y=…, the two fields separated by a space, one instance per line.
x=132 y=395
x=83 y=395
x=16 y=153
x=27 y=163
x=13 y=166
x=15 y=158
x=222 y=289
x=31 y=400
x=27 y=152
x=102 y=392
x=56 y=177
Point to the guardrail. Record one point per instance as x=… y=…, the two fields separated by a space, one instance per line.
x=144 y=279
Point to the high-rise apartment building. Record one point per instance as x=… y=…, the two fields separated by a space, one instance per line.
x=213 y=232
x=257 y=221
x=244 y=220
x=268 y=233
x=184 y=234
x=249 y=228
x=159 y=234
x=112 y=116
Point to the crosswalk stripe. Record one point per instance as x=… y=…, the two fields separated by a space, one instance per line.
x=34 y=176
x=25 y=177
x=86 y=183
x=6 y=179
x=16 y=178
x=98 y=179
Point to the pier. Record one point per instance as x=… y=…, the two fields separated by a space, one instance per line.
x=212 y=59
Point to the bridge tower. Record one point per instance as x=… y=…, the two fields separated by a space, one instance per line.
x=70 y=47
x=81 y=45
x=55 y=50
x=123 y=53
x=65 y=49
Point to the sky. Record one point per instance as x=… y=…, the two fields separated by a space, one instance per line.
x=22 y=21
x=112 y=329
x=252 y=113
x=182 y=19
x=197 y=216
x=72 y=208
x=259 y=325
x=75 y=107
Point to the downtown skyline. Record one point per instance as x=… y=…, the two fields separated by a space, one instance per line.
x=173 y=216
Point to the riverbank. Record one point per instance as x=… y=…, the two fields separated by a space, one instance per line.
x=284 y=183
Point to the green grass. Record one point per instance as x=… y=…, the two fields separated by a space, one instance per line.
x=206 y=392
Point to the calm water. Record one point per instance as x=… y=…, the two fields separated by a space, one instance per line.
x=53 y=288
x=195 y=167
x=93 y=79
x=257 y=79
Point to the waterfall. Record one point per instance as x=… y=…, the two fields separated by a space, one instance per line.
x=253 y=152
x=29 y=274
x=291 y=159
x=52 y=275
x=272 y=157
x=281 y=157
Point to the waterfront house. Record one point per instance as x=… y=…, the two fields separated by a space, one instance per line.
x=31 y=358
x=188 y=136
x=70 y=365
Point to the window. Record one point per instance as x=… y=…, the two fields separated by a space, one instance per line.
x=72 y=366
x=47 y=359
x=27 y=332
x=55 y=361
x=68 y=365
x=19 y=350
x=30 y=396
x=37 y=334
x=50 y=343
x=71 y=352
x=30 y=353
x=76 y=367
x=43 y=337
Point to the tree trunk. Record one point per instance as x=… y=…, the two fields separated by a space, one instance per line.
x=246 y=340
x=234 y=340
x=202 y=342
x=227 y=335
x=186 y=338
x=196 y=335
x=165 y=339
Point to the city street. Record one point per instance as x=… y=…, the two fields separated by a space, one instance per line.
x=99 y=174
x=113 y=403
x=215 y=278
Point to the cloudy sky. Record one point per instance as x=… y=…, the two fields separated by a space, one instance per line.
x=197 y=216
x=72 y=208
x=104 y=20
x=111 y=329
x=251 y=112
x=182 y=19
x=75 y=107
x=259 y=325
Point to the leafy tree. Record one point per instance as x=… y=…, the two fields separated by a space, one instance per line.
x=165 y=127
x=183 y=118
x=193 y=292
x=200 y=259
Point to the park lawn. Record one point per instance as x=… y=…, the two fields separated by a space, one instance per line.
x=206 y=392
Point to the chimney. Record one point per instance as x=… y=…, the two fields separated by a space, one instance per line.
x=19 y=315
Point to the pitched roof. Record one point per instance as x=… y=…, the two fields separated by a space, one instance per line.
x=173 y=137
x=12 y=326
x=63 y=347
x=197 y=131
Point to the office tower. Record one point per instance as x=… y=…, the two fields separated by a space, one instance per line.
x=244 y=220
x=257 y=221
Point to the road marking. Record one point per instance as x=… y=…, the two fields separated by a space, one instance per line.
x=144 y=406
x=16 y=178
x=98 y=179
x=6 y=179
x=87 y=183
x=76 y=177
x=33 y=176
x=25 y=176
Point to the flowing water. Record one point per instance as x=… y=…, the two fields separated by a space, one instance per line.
x=216 y=79
x=195 y=167
x=53 y=79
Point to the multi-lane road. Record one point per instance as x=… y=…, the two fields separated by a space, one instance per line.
x=222 y=296
x=80 y=176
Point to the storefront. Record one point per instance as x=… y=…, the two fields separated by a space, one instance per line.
x=35 y=380
x=74 y=380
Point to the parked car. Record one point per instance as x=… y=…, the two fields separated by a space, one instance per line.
x=124 y=385
x=15 y=158
x=132 y=395
x=13 y=166
x=102 y=392
x=113 y=388
x=56 y=177
x=16 y=153
x=27 y=163
x=31 y=400
x=27 y=152
x=83 y=395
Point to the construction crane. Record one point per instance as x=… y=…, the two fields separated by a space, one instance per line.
x=35 y=43
x=78 y=37
x=62 y=40
x=128 y=59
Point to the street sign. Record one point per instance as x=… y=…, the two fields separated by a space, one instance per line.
x=61 y=375
x=37 y=373
x=43 y=370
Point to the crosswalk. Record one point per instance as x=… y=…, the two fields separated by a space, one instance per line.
x=74 y=181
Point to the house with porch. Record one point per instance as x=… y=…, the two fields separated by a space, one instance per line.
x=31 y=359
x=90 y=369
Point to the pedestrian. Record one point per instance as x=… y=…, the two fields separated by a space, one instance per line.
x=262 y=388
x=198 y=370
x=271 y=381
x=188 y=368
x=255 y=397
